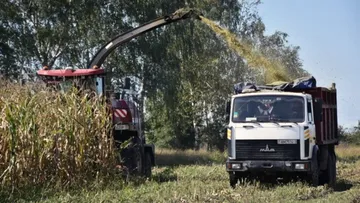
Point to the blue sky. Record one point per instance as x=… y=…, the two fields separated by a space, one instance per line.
x=328 y=33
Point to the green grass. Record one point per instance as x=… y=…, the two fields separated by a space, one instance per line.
x=201 y=177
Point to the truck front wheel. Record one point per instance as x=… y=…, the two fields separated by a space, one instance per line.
x=233 y=179
x=314 y=177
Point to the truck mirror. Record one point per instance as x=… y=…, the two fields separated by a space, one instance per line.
x=227 y=108
x=227 y=117
x=318 y=109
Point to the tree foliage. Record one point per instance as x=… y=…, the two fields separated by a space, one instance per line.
x=351 y=136
x=186 y=72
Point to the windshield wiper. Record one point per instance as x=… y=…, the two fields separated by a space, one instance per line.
x=283 y=120
x=255 y=122
x=274 y=122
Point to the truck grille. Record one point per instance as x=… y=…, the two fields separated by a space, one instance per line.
x=251 y=150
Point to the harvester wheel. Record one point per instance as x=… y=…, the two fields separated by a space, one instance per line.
x=147 y=166
x=138 y=165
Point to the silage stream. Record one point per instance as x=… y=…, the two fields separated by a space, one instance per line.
x=274 y=70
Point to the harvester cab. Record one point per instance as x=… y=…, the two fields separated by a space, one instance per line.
x=92 y=81
x=87 y=80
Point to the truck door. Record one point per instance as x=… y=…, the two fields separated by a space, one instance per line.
x=309 y=130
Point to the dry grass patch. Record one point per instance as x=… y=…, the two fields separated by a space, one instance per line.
x=167 y=157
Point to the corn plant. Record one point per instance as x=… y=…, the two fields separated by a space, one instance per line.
x=51 y=137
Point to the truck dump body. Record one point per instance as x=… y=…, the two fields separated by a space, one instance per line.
x=327 y=129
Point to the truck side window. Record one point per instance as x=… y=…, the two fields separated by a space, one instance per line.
x=309 y=111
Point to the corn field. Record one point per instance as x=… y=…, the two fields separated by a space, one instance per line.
x=49 y=137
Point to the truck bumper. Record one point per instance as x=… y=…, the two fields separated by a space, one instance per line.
x=267 y=166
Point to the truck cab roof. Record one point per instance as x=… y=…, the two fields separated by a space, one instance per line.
x=268 y=92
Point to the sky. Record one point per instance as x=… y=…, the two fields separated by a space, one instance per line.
x=328 y=33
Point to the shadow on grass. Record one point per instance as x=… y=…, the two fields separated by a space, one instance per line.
x=114 y=182
x=25 y=194
x=342 y=185
x=318 y=192
x=179 y=158
x=271 y=183
x=165 y=176
x=42 y=192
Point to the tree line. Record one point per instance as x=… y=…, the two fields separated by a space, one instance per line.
x=350 y=135
x=185 y=70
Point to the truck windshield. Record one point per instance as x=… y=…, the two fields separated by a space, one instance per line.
x=268 y=108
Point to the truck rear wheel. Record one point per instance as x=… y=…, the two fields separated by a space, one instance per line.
x=331 y=170
x=328 y=176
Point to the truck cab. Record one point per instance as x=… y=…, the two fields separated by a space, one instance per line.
x=275 y=132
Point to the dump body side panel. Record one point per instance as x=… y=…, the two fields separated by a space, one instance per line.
x=327 y=129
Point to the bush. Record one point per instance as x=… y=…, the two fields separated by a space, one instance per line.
x=49 y=137
x=351 y=136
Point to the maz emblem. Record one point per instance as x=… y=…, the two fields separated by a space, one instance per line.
x=267 y=149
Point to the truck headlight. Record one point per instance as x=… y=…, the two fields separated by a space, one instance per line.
x=300 y=166
x=236 y=166
x=287 y=141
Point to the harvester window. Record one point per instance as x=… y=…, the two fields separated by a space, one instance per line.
x=99 y=85
x=66 y=85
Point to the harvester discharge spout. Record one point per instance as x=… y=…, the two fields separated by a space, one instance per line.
x=185 y=13
x=181 y=14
